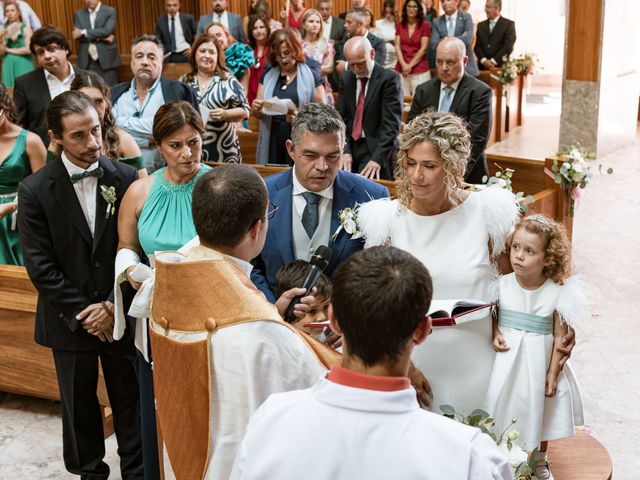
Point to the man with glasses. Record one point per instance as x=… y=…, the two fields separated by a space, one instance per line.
x=310 y=197
x=34 y=90
x=249 y=352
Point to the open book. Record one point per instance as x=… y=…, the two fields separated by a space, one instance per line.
x=447 y=313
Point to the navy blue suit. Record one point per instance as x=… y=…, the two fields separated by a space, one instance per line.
x=348 y=190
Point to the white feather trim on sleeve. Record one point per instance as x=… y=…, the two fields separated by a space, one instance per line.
x=374 y=220
x=572 y=299
x=500 y=211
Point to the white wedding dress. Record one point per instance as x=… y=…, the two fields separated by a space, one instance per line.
x=454 y=246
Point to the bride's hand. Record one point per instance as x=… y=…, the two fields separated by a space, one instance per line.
x=421 y=384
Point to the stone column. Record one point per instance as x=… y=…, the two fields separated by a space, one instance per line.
x=601 y=74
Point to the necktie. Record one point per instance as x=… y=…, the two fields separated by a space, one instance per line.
x=172 y=35
x=310 y=214
x=357 y=122
x=96 y=172
x=492 y=25
x=446 y=100
x=93 y=48
x=450 y=27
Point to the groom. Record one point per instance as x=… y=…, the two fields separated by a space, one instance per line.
x=310 y=196
x=69 y=235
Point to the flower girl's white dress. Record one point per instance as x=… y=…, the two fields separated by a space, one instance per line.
x=454 y=246
x=518 y=378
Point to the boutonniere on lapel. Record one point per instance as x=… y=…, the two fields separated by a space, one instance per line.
x=109 y=195
x=348 y=219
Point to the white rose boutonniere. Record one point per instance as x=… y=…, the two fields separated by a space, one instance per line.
x=109 y=195
x=349 y=223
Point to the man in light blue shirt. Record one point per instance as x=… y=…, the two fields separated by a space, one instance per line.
x=135 y=103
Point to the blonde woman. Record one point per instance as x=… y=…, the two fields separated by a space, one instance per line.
x=315 y=46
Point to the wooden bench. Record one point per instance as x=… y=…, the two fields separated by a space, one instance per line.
x=507 y=110
x=26 y=367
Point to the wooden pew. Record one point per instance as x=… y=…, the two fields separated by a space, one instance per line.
x=248 y=145
x=26 y=367
x=507 y=110
x=530 y=178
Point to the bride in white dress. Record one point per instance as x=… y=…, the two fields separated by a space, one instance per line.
x=458 y=235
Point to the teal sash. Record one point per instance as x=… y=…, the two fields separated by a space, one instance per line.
x=525 y=321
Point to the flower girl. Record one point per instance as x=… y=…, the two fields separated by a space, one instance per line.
x=536 y=303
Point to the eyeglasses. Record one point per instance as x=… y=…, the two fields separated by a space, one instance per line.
x=288 y=56
x=273 y=208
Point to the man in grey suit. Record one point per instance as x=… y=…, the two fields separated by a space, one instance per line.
x=456 y=92
x=333 y=26
x=455 y=23
x=220 y=14
x=94 y=29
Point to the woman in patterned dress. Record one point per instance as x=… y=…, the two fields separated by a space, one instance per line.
x=315 y=46
x=221 y=97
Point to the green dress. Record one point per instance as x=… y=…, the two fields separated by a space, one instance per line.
x=165 y=222
x=13 y=170
x=15 y=65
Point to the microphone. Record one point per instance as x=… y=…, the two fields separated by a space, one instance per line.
x=319 y=261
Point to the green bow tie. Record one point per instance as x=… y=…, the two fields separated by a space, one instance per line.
x=96 y=172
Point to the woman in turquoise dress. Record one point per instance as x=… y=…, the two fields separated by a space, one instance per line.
x=21 y=153
x=155 y=215
x=16 y=36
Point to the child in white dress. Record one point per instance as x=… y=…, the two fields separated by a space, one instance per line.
x=536 y=303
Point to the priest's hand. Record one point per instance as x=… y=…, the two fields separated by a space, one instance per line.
x=421 y=384
x=305 y=304
x=568 y=342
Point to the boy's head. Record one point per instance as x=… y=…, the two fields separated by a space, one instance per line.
x=292 y=276
x=380 y=299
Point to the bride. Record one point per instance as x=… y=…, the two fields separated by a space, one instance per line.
x=459 y=235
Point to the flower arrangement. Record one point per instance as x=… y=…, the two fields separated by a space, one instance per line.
x=525 y=64
x=502 y=179
x=572 y=170
x=109 y=195
x=349 y=223
x=522 y=463
x=509 y=71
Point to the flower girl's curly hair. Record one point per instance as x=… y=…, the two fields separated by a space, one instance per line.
x=448 y=134
x=557 y=248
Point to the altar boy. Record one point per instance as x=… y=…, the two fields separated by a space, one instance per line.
x=363 y=419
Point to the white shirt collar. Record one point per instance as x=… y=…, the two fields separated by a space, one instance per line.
x=495 y=20
x=244 y=265
x=454 y=16
x=95 y=10
x=298 y=189
x=73 y=169
x=176 y=16
x=50 y=76
x=454 y=85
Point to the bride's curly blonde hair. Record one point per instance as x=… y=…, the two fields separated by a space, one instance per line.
x=449 y=136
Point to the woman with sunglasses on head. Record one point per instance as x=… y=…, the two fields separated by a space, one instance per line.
x=21 y=154
x=289 y=79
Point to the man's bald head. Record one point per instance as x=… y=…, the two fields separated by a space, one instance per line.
x=360 y=56
x=451 y=58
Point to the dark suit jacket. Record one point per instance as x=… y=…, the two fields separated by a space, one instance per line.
x=235 y=25
x=348 y=189
x=496 y=44
x=105 y=25
x=337 y=29
x=188 y=29
x=376 y=42
x=382 y=113
x=70 y=269
x=472 y=102
x=171 y=90
x=463 y=30
x=32 y=98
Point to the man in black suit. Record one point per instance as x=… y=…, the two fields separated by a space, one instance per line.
x=333 y=26
x=69 y=235
x=176 y=31
x=135 y=103
x=495 y=37
x=94 y=29
x=371 y=107
x=455 y=91
x=34 y=90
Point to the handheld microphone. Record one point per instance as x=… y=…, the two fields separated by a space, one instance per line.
x=319 y=261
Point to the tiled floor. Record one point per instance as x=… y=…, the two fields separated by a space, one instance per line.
x=606 y=241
